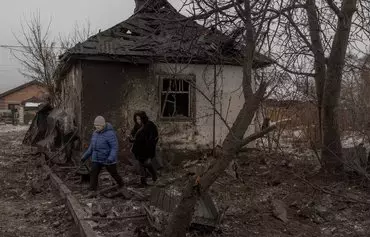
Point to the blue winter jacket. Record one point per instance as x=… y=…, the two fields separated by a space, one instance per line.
x=103 y=147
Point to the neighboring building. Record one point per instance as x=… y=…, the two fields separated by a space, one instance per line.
x=303 y=115
x=299 y=113
x=14 y=97
x=15 y=104
x=151 y=62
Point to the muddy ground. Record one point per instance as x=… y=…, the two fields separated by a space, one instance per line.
x=28 y=206
x=315 y=204
x=279 y=194
x=267 y=186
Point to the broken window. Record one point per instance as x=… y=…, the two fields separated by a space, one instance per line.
x=176 y=97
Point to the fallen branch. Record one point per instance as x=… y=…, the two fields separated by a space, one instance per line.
x=260 y=134
x=257 y=135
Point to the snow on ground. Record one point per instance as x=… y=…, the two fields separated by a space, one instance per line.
x=352 y=140
x=11 y=128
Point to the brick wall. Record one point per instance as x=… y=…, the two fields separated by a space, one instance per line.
x=21 y=95
x=3 y=105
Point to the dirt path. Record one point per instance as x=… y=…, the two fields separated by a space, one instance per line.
x=28 y=206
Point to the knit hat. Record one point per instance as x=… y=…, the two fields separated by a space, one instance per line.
x=99 y=121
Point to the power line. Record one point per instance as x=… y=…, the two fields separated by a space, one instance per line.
x=11 y=46
x=8 y=46
x=7 y=64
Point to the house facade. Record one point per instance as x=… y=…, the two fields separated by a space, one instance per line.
x=14 y=97
x=159 y=62
x=19 y=105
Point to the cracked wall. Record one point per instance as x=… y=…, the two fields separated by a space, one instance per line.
x=117 y=90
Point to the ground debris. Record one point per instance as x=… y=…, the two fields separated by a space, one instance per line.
x=154 y=219
x=291 y=179
x=36 y=187
x=141 y=232
x=279 y=210
x=97 y=210
x=21 y=213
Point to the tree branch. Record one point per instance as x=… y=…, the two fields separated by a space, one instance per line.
x=295 y=72
x=257 y=135
x=335 y=8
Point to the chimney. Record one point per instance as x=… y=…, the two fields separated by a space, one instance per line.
x=139 y=4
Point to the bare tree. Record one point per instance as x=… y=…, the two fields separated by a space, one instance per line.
x=38 y=53
x=319 y=34
x=235 y=138
x=307 y=39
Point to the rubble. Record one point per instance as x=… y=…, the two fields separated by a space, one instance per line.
x=97 y=210
x=279 y=210
x=241 y=207
x=36 y=187
x=53 y=129
x=21 y=212
x=205 y=216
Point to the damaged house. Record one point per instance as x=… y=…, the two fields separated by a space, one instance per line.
x=163 y=63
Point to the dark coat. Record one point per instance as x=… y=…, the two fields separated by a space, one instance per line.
x=145 y=139
x=103 y=147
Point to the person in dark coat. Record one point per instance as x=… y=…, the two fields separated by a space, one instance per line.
x=103 y=150
x=144 y=137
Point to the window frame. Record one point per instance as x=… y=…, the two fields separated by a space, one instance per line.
x=192 y=100
x=12 y=106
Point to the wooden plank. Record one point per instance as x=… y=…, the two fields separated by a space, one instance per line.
x=74 y=207
x=114 y=218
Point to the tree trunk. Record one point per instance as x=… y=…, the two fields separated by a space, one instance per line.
x=181 y=217
x=318 y=50
x=332 y=148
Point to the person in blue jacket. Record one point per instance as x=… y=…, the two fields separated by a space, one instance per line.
x=103 y=150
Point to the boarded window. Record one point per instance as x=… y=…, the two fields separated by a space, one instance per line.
x=176 y=97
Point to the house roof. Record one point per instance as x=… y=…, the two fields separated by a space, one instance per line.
x=33 y=99
x=18 y=88
x=157 y=32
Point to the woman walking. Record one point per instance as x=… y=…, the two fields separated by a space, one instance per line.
x=103 y=149
x=144 y=137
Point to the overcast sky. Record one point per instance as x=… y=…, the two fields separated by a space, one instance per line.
x=64 y=14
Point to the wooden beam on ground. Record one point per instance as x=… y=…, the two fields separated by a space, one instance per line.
x=74 y=207
x=115 y=218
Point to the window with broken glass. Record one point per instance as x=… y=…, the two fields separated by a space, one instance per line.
x=176 y=97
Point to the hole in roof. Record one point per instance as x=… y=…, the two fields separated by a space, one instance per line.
x=129 y=32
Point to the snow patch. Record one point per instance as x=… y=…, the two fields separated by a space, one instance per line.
x=31 y=104
x=352 y=140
